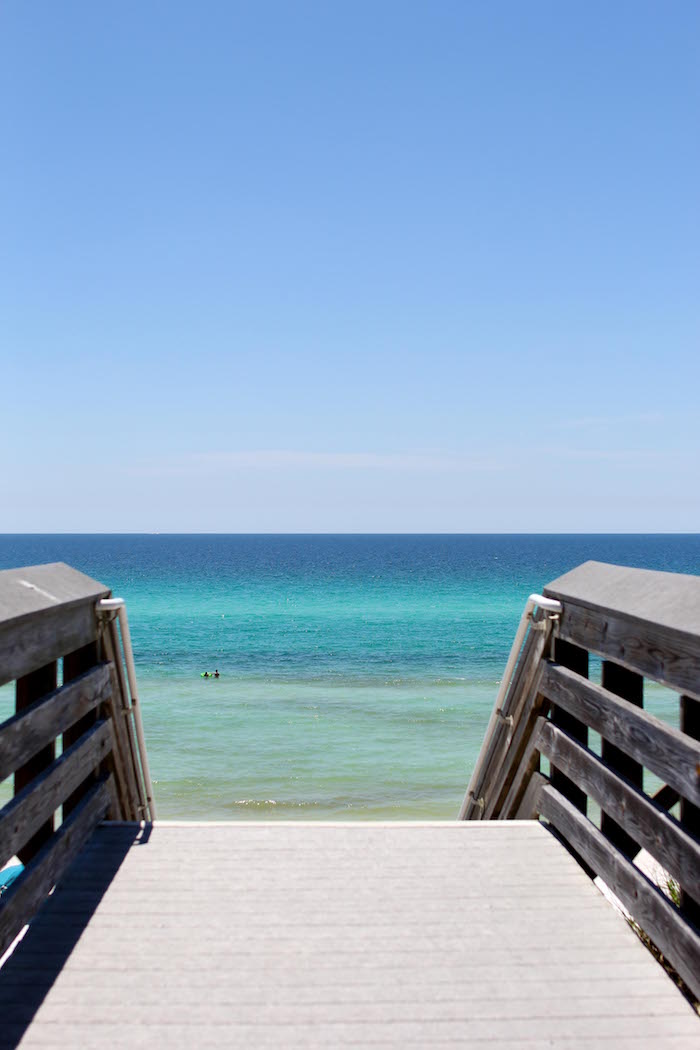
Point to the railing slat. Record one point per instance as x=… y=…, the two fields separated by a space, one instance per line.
x=30 y=644
x=495 y=746
x=27 y=732
x=26 y=812
x=20 y=903
x=524 y=774
x=659 y=919
x=667 y=752
x=111 y=639
x=504 y=775
x=46 y=611
x=669 y=657
x=529 y=805
x=123 y=756
x=521 y=699
x=645 y=620
x=647 y=823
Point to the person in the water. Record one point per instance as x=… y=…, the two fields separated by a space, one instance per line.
x=216 y=674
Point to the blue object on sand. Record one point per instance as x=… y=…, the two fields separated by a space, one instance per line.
x=8 y=876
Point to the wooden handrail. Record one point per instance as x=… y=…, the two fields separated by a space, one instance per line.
x=48 y=614
x=28 y=810
x=665 y=751
x=516 y=691
x=31 y=729
x=644 y=625
x=46 y=611
x=646 y=621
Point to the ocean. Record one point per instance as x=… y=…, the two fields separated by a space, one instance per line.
x=357 y=673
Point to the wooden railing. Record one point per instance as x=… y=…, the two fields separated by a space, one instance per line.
x=643 y=625
x=50 y=629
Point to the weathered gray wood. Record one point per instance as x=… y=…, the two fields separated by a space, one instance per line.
x=526 y=771
x=529 y=806
x=667 y=752
x=28 y=810
x=26 y=733
x=34 y=589
x=125 y=784
x=660 y=919
x=669 y=599
x=114 y=810
x=124 y=773
x=123 y=755
x=648 y=824
x=258 y=1013
x=528 y=768
x=521 y=731
x=319 y=936
x=27 y=691
x=519 y=984
x=646 y=621
x=498 y=748
x=28 y=892
x=125 y=721
x=519 y=701
x=494 y=746
x=518 y=695
x=395 y=1029
x=45 y=612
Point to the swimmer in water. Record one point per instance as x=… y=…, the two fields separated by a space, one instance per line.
x=216 y=674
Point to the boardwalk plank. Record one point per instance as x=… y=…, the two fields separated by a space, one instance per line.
x=331 y=936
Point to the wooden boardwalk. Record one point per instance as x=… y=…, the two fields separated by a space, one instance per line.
x=475 y=934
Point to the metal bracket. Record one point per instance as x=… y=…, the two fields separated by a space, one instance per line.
x=480 y=802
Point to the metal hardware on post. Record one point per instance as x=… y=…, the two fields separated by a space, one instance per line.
x=504 y=718
x=480 y=803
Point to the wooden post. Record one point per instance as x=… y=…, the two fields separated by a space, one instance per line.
x=630 y=686
x=576 y=659
x=75 y=664
x=690 y=814
x=28 y=689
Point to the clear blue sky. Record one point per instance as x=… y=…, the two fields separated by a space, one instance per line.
x=358 y=266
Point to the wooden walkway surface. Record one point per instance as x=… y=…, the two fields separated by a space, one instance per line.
x=481 y=934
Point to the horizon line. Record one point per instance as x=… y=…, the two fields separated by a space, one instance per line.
x=531 y=532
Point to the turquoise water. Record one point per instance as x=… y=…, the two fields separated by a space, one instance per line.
x=357 y=672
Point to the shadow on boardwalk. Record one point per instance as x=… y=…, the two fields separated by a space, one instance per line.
x=33 y=968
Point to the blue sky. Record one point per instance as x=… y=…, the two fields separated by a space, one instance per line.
x=349 y=266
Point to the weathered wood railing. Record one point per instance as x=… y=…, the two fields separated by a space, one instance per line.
x=641 y=624
x=51 y=628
